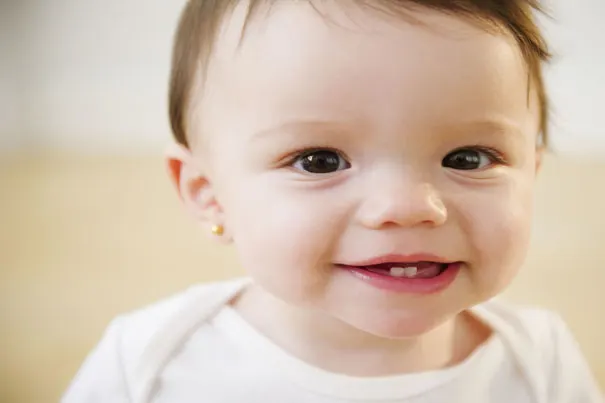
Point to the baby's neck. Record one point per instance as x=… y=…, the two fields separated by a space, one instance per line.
x=333 y=345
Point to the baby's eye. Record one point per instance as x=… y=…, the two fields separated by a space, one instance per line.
x=320 y=162
x=467 y=159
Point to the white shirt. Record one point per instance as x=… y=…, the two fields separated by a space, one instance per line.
x=194 y=348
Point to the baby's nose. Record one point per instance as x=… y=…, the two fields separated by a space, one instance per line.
x=404 y=202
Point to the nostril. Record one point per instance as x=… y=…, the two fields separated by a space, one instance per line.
x=402 y=204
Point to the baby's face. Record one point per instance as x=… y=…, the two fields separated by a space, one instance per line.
x=339 y=139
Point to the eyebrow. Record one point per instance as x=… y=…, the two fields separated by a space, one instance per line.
x=303 y=126
x=489 y=125
x=492 y=125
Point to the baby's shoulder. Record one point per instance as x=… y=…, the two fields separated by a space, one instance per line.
x=145 y=332
x=545 y=349
x=136 y=345
x=525 y=324
x=148 y=320
x=536 y=333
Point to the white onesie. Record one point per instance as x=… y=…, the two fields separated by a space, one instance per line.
x=193 y=348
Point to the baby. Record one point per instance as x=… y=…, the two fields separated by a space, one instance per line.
x=373 y=163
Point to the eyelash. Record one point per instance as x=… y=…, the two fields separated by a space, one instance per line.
x=498 y=157
x=294 y=156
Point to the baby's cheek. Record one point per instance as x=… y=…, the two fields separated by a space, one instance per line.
x=285 y=243
x=500 y=239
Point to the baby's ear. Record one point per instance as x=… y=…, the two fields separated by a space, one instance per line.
x=193 y=186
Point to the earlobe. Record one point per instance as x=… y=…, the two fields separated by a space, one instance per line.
x=193 y=186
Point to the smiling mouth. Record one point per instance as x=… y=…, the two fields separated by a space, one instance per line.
x=412 y=270
x=419 y=270
x=419 y=273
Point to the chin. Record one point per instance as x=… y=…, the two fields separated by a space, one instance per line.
x=406 y=326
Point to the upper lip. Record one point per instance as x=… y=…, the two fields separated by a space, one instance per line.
x=396 y=258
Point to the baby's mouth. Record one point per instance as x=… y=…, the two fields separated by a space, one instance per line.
x=413 y=270
x=406 y=274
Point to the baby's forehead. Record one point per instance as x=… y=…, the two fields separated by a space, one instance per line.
x=292 y=61
x=218 y=43
x=294 y=36
x=333 y=18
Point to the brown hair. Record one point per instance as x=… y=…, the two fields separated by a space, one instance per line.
x=201 y=19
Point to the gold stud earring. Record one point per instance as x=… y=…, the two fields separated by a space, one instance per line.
x=218 y=230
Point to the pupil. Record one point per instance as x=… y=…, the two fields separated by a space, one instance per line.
x=321 y=162
x=466 y=159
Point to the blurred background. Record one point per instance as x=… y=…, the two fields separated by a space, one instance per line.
x=90 y=227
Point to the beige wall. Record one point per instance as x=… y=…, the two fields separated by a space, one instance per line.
x=84 y=238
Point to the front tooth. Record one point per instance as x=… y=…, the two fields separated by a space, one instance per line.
x=397 y=271
x=410 y=271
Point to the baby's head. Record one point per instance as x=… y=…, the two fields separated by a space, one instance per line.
x=344 y=144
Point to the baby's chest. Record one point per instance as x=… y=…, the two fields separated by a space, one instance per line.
x=224 y=384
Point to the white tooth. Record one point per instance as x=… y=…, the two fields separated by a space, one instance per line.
x=397 y=271
x=410 y=271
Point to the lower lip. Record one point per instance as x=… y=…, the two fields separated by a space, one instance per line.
x=407 y=285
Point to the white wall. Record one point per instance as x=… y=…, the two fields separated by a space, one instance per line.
x=576 y=78
x=12 y=135
x=94 y=74
x=97 y=73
